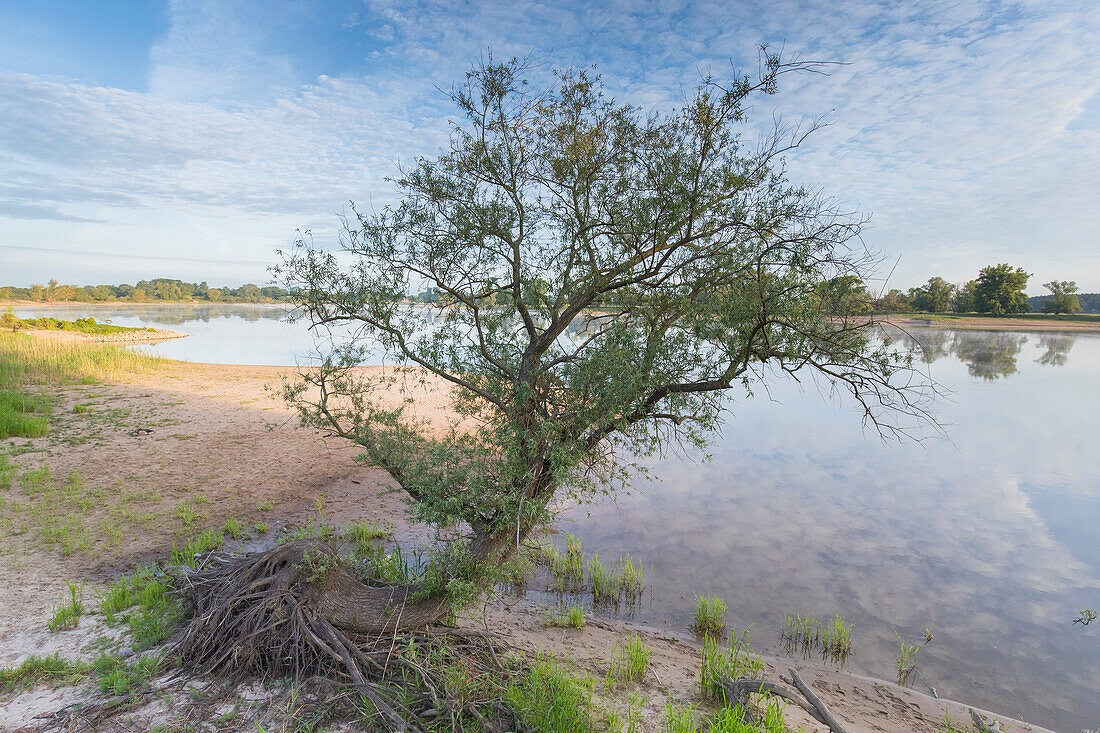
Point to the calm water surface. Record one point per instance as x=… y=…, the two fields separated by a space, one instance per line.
x=990 y=539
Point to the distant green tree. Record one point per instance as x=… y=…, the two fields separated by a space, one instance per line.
x=37 y=292
x=936 y=296
x=845 y=295
x=966 y=300
x=895 y=301
x=1000 y=290
x=1065 y=297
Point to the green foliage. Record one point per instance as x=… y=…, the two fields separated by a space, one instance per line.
x=572 y=617
x=1000 y=290
x=599 y=276
x=681 y=719
x=732 y=720
x=67 y=612
x=936 y=296
x=143 y=603
x=550 y=699
x=209 y=539
x=53 y=669
x=966 y=300
x=1064 y=298
x=80 y=325
x=631 y=658
x=735 y=661
x=17 y=418
x=158 y=289
x=710 y=615
x=833 y=639
x=906 y=660
x=28 y=360
x=233 y=528
x=121 y=678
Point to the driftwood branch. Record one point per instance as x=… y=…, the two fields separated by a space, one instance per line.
x=984 y=727
x=737 y=691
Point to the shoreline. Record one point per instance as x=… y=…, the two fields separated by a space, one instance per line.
x=136 y=336
x=225 y=447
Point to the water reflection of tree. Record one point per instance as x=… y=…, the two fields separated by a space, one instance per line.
x=988 y=355
x=1057 y=347
x=928 y=345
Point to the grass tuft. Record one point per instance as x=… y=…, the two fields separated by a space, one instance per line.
x=572 y=617
x=716 y=664
x=67 y=613
x=632 y=659
x=34 y=670
x=710 y=615
x=547 y=698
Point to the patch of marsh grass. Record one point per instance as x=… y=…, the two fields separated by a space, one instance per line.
x=233 y=528
x=22 y=414
x=632 y=658
x=34 y=670
x=734 y=720
x=209 y=539
x=906 y=660
x=120 y=678
x=681 y=718
x=833 y=639
x=735 y=661
x=572 y=617
x=26 y=359
x=548 y=698
x=710 y=615
x=365 y=532
x=67 y=612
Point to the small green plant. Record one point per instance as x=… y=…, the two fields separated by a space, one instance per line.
x=717 y=664
x=710 y=615
x=681 y=719
x=234 y=528
x=1085 y=616
x=632 y=659
x=734 y=720
x=267 y=505
x=261 y=527
x=364 y=532
x=605 y=581
x=209 y=539
x=572 y=617
x=67 y=613
x=120 y=678
x=906 y=660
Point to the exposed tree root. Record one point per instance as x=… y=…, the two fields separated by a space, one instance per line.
x=289 y=613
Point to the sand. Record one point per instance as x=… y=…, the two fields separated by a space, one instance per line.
x=223 y=444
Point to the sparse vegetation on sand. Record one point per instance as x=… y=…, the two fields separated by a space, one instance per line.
x=87 y=326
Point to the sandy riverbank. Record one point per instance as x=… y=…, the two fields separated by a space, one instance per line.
x=136 y=336
x=223 y=445
x=991 y=324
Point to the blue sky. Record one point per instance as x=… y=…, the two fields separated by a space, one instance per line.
x=192 y=138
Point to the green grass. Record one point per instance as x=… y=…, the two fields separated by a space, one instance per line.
x=732 y=720
x=261 y=527
x=22 y=414
x=550 y=699
x=67 y=612
x=35 y=670
x=906 y=660
x=364 y=532
x=681 y=719
x=209 y=539
x=233 y=528
x=80 y=325
x=710 y=615
x=632 y=659
x=28 y=360
x=833 y=639
x=735 y=661
x=572 y=617
x=957 y=317
x=120 y=678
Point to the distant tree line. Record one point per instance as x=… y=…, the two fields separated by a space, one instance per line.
x=160 y=289
x=998 y=290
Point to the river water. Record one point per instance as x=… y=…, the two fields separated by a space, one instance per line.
x=990 y=539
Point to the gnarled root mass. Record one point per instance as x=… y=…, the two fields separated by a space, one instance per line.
x=298 y=611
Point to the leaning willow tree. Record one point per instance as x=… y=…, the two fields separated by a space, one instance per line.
x=602 y=276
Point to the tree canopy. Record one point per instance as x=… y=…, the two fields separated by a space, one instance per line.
x=1000 y=290
x=1065 y=297
x=605 y=275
